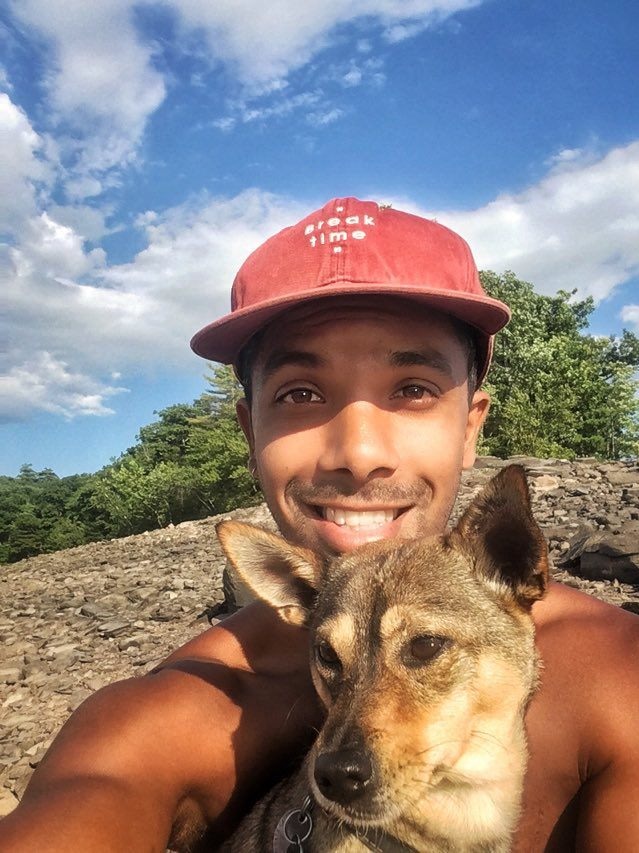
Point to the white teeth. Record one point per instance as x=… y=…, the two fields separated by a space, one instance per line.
x=346 y=518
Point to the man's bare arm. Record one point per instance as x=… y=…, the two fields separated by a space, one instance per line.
x=115 y=776
x=194 y=738
x=608 y=812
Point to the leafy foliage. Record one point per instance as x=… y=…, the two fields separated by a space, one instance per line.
x=556 y=392
x=37 y=513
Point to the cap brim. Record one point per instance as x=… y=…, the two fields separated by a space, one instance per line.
x=223 y=339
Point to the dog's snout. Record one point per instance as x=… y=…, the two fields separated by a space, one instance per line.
x=343 y=775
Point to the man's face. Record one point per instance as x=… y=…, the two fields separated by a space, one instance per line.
x=360 y=422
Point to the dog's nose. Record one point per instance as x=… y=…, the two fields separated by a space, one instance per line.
x=343 y=775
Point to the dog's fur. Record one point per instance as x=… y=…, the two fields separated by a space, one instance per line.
x=445 y=736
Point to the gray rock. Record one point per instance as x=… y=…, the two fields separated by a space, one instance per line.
x=113 y=627
x=619 y=478
x=8 y=802
x=576 y=546
x=92 y=609
x=544 y=482
x=113 y=602
x=611 y=557
x=10 y=675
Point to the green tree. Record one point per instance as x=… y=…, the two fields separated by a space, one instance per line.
x=223 y=392
x=38 y=513
x=217 y=448
x=136 y=498
x=26 y=534
x=165 y=439
x=64 y=533
x=557 y=391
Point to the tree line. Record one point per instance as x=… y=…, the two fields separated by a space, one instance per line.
x=556 y=392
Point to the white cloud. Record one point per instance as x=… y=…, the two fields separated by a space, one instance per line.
x=83 y=186
x=320 y=118
x=565 y=156
x=5 y=83
x=184 y=274
x=276 y=102
x=101 y=81
x=258 y=110
x=45 y=384
x=104 y=82
x=352 y=74
x=21 y=166
x=417 y=18
x=280 y=108
x=353 y=77
x=71 y=320
x=400 y=32
x=630 y=315
x=577 y=228
x=264 y=41
x=89 y=222
x=54 y=250
x=225 y=124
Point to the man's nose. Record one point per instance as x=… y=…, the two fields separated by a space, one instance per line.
x=360 y=442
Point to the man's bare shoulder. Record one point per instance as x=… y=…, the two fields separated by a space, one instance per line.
x=570 y=613
x=254 y=639
x=590 y=657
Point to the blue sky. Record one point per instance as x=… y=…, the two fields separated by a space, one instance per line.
x=148 y=147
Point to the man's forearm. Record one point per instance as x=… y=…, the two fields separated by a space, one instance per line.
x=85 y=813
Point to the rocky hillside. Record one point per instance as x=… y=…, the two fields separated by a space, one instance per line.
x=73 y=621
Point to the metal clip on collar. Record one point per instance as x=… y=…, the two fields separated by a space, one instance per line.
x=293 y=829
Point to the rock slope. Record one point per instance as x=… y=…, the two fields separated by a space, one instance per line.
x=73 y=621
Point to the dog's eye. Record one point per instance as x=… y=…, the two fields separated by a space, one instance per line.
x=426 y=647
x=327 y=655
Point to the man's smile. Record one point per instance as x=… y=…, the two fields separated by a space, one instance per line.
x=343 y=529
x=356 y=518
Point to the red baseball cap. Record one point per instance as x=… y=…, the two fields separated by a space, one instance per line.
x=351 y=247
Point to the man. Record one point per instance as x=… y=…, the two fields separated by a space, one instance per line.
x=361 y=335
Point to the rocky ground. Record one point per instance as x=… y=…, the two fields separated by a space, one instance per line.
x=76 y=620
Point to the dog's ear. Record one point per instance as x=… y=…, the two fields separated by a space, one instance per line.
x=504 y=540
x=281 y=574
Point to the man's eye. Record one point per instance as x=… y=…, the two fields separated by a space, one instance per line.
x=414 y=392
x=300 y=395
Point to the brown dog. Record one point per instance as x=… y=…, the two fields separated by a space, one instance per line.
x=423 y=653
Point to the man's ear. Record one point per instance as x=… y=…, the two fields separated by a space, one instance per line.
x=283 y=575
x=477 y=413
x=243 y=413
x=503 y=539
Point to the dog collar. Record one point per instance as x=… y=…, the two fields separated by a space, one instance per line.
x=295 y=827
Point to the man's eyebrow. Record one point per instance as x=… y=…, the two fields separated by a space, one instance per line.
x=422 y=358
x=297 y=358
